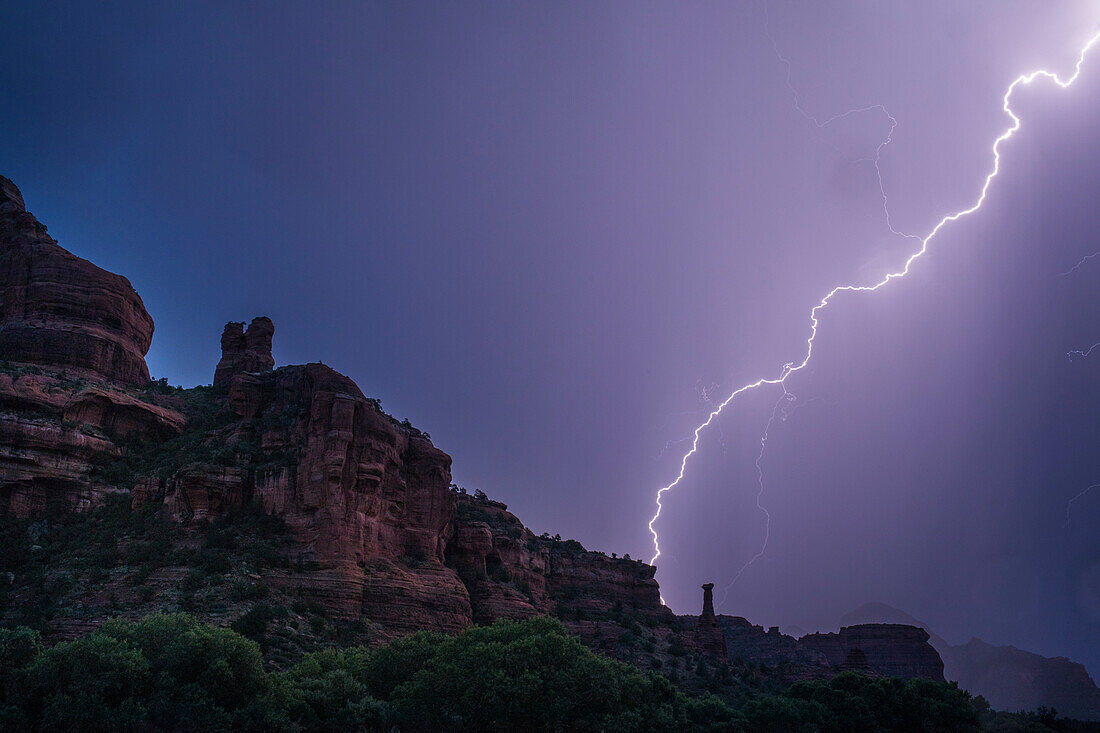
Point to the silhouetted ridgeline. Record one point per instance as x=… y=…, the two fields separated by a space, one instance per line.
x=1009 y=678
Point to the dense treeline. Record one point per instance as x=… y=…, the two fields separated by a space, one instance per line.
x=171 y=672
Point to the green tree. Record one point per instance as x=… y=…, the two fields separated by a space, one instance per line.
x=94 y=683
x=198 y=662
x=164 y=672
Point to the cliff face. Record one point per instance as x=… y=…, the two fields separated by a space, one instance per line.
x=73 y=339
x=747 y=641
x=893 y=650
x=59 y=310
x=376 y=527
x=377 y=530
x=56 y=431
x=366 y=501
x=510 y=572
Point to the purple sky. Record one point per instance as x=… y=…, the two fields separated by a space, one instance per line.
x=543 y=232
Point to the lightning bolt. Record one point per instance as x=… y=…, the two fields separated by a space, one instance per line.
x=792 y=367
x=784 y=401
x=1080 y=494
x=1078 y=353
x=823 y=123
x=1081 y=354
x=706 y=396
x=1080 y=262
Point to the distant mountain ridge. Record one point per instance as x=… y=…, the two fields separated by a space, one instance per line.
x=1009 y=678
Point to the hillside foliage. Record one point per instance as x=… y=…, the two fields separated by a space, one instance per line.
x=172 y=672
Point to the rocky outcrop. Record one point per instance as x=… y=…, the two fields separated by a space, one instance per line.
x=1009 y=678
x=884 y=649
x=749 y=642
x=895 y=650
x=510 y=572
x=203 y=493
x=708 y=637
x=57 y=432
x=45 y=465
x=245 y=352
x=366 y=500
x=59 y=310
x=73 y=379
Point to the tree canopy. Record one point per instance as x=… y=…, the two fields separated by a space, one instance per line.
x=172 y=672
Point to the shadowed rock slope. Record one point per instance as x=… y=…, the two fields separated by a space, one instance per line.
x=1009 y=678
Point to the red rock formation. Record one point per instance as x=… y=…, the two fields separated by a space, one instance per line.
x=73 y=339
x=57 y=309
x=856 y=661
x=55 y=430
x=895 y=650
x=374 y=530
x=593 y=583
x=708 y=637
x=202 y=493
x=245 y=352
x=512 y=573
x=44 y=464
x=366 y=499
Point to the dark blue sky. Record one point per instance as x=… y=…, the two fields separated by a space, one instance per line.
x=542 y=231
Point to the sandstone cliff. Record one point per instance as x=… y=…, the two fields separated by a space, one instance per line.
x=894 y=650
x=59 y=310
x=746 y=640
x=510 y=572
x=73 y=379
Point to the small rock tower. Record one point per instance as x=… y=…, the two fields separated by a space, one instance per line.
x=707 y=618
x=245 y=351
x=708 y=637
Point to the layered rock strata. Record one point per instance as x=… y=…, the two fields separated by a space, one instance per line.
x=59 y=310
x=73 y=379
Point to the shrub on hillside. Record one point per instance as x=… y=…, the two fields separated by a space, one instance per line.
x=171 y=672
